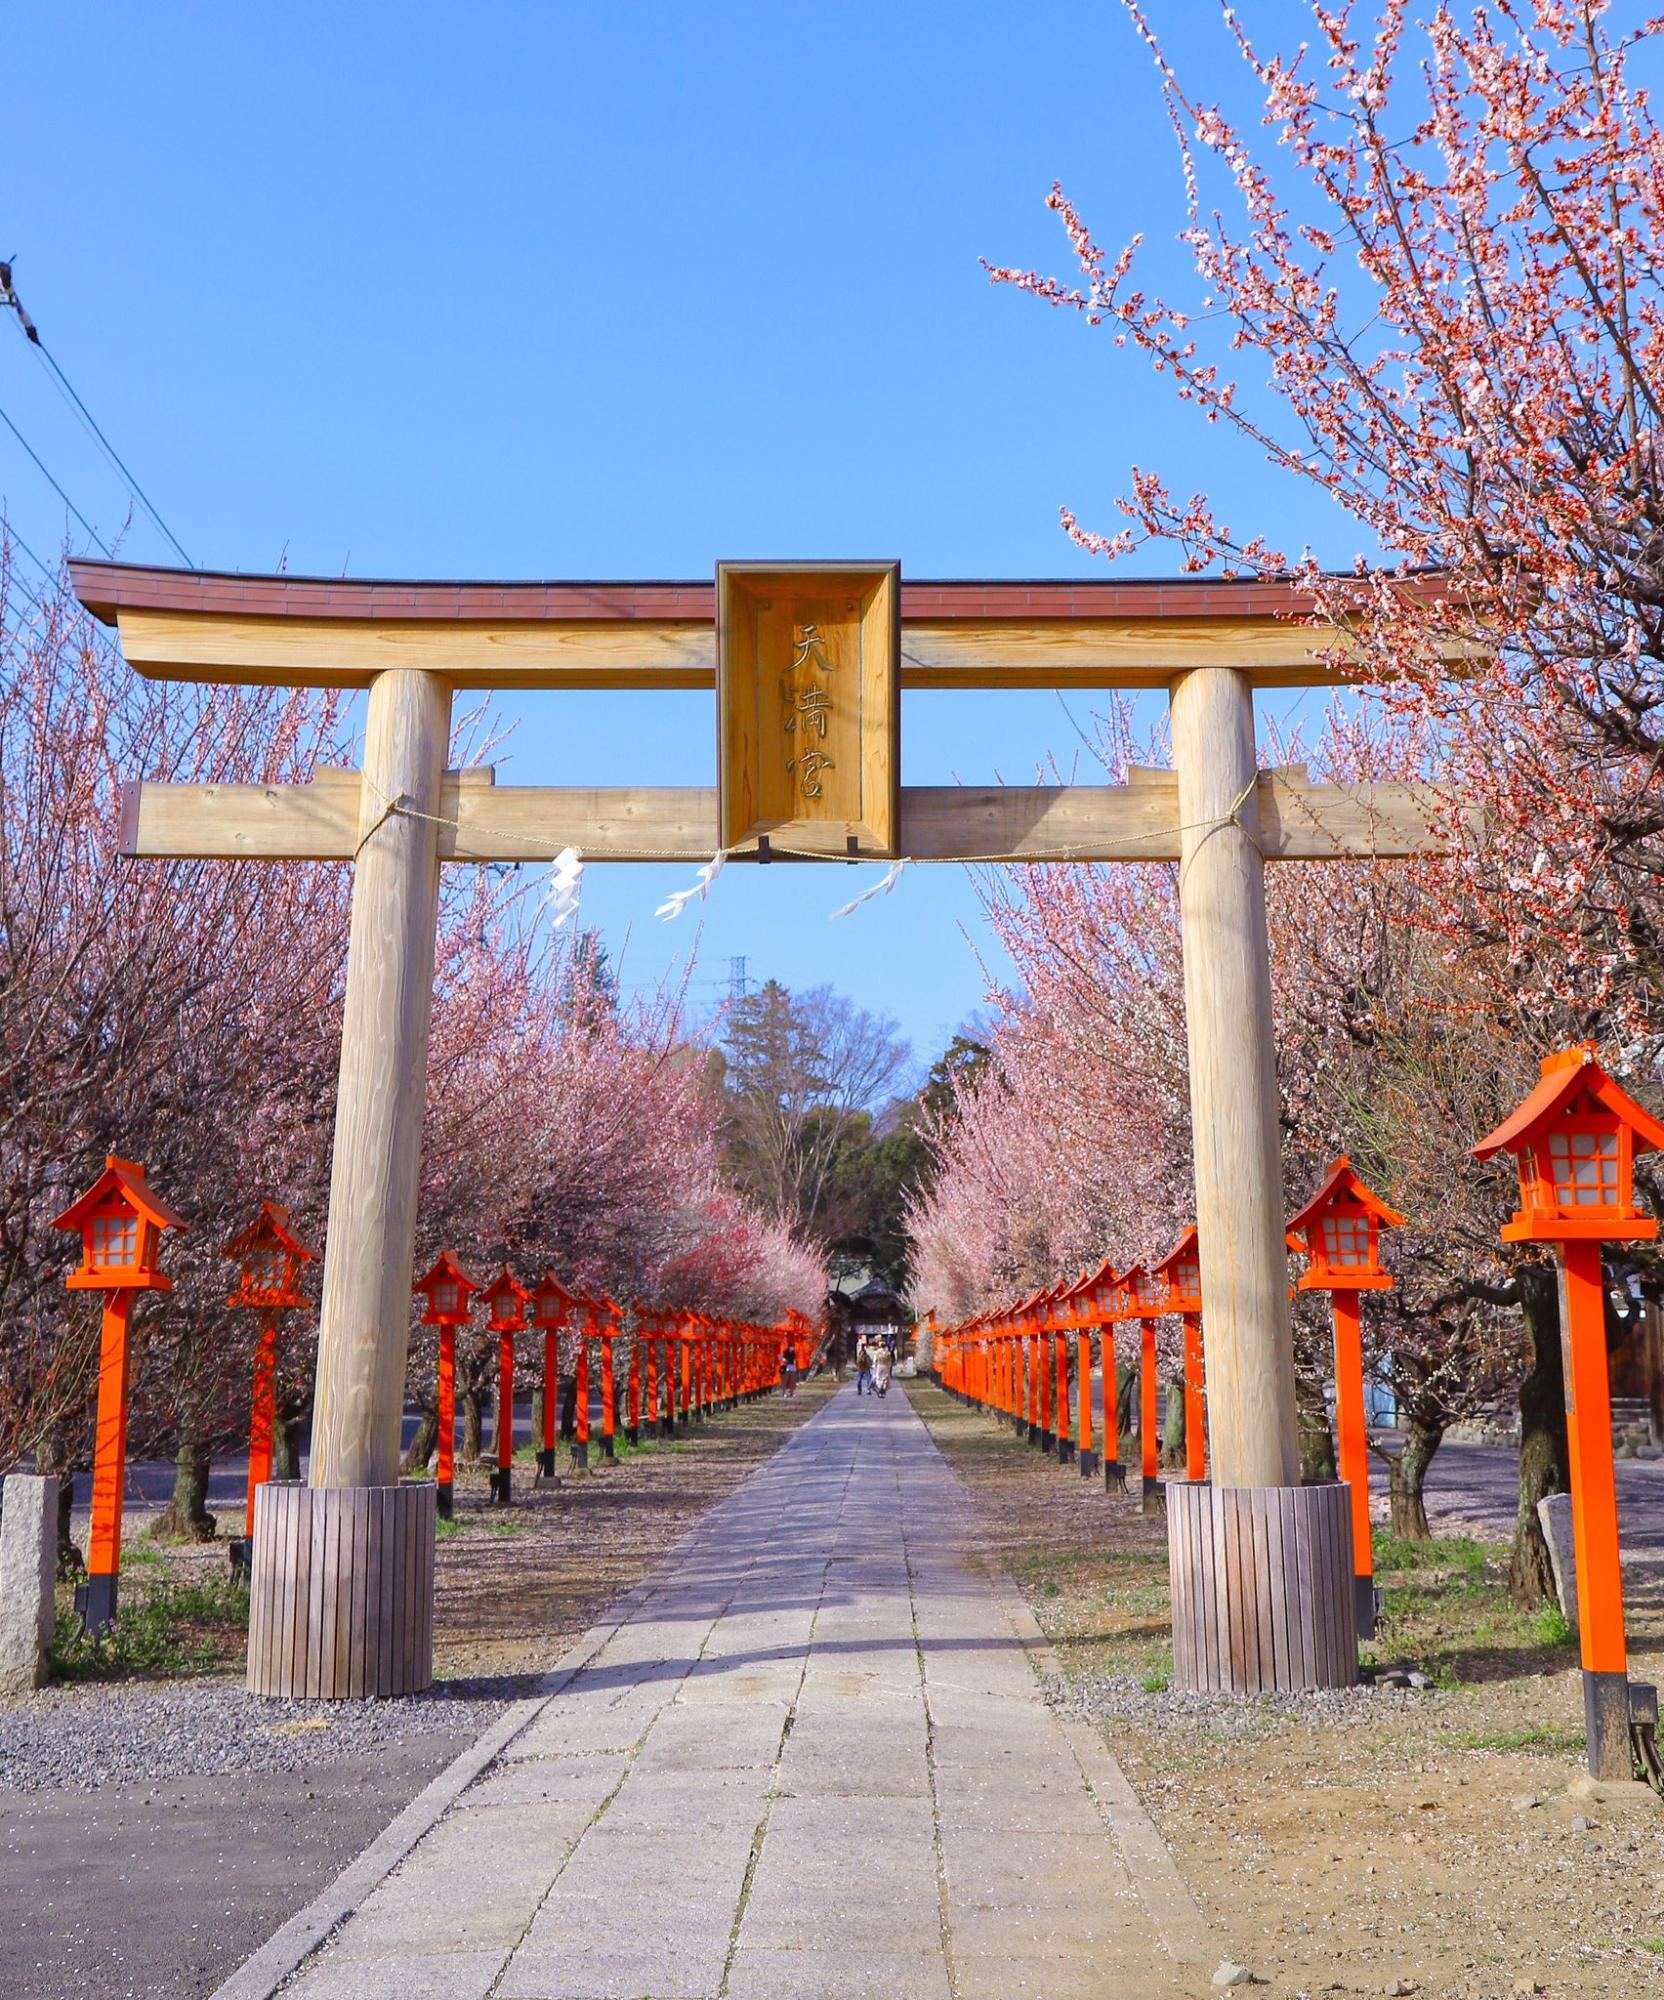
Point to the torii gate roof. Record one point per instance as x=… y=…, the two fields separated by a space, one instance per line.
x=207 y=625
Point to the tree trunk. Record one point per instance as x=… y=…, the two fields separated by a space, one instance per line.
x=1407 y=1478
x=1317 y=1440
x=1126 y=1398
x=537 y=1413
x=422 y=1444
x=50 y=1457
x=1543 y=1451
x=1172 y=1430
x=186 y=1517
x=569 y=1407
x=473 y=1425
x=286 y=1447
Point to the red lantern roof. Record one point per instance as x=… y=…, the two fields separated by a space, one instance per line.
x=121 y=1222
x=1181 y=1272
x=271 y=1255
x=506 y=1300
x=448 y=1288
x=1575 y=1140
x=1339 y=1229
x=552 y=1301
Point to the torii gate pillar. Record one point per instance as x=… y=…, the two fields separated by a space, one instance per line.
x=1261 y=1596
x=365 y=1539
x=1233 y=1084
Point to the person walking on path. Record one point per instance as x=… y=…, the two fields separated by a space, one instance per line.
x=863 y=1369
x=788 y=1373
x=881 y=1372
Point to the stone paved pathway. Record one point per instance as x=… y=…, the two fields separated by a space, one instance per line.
x=811 y=1764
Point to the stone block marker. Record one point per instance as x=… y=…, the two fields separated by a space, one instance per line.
x=28 y=1570
x=1554 y=1510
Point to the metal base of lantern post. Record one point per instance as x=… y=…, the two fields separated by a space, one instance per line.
x=1261 y=1581
x=1606 y=1725
x=1088 y=1464
x=1048 y=1443
x=1152 y=1494
x=342 y=1603
x=1065 y=1451
x=443 y=1500
x=608 y=1448
x=1115 y=1476
x=240 y=1550
x=95 y=1600
x=546 y=1464
x=580 y=1454
x=502 y=1486
x=1364 y=1607
x=633 y=1433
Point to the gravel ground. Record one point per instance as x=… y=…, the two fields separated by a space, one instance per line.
x=1105 y=1698
x=81 y=1738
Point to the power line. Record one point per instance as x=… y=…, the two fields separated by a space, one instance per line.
x=31 y=333
x=56 y=488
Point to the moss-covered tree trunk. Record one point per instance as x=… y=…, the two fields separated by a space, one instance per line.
x=1317 y=1439
x=473 y=1424
x=1543 y=1462
x=186 y=1517
x=422 y=1444
x=1172 y=1429
x=1407 y=1479
x=1126 y=1398
x=286 y=1437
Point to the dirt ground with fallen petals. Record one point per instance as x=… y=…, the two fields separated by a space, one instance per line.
x=1365 y=1841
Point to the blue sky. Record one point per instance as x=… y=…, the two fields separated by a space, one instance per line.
x=557 y=290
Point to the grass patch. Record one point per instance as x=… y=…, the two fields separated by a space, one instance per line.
x=167 y=1630
x=1157 y=1683
x=1445 y=1603
x=1555 y=1740
x=1654 y=1945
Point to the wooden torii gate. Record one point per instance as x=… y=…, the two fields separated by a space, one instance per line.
x=808 y=661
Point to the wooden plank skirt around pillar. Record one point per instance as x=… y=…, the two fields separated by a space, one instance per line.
x=341 y=1602
x=1262 y=1588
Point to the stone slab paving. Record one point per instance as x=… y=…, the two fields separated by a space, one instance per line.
x=811 y=1763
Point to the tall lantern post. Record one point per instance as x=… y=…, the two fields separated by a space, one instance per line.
x=447 y=1289
x=552 y=1306
x=1144 y=1298
x=1339 y=1233
x=1180 y=1273
x=121 y=1223
x=1084 y=1300
x=607 y=1317
x=1575 y=1140
x=506 y=1300
x=270 y=1255
x=583 y=1326
x=1101 y=1296
x=1064 y=1321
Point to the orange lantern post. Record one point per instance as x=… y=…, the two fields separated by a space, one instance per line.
x=1063 y=1324
x=551 y=1310
x=271 y=1255
x=506 y=1300
x=448 y=1289
x=1574 y=1141
x=121 y=1223
x=1180 y=1271
x=606 y=1330
x=1339 y=1232
x=1099 y=1295
x=584 y=1326
x=1145 y=1297
x=632 y=1427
